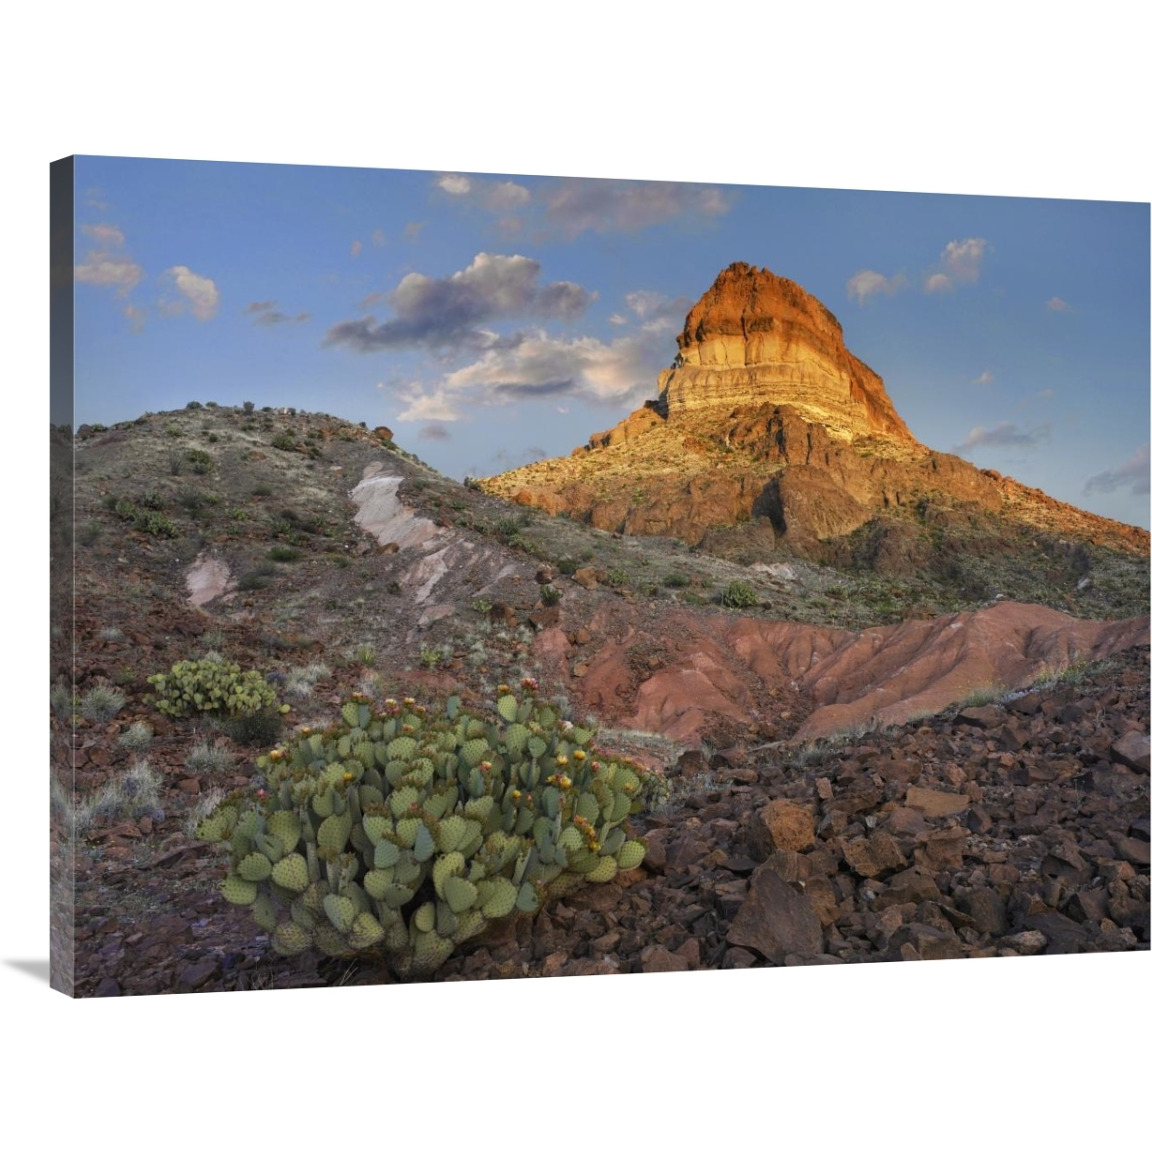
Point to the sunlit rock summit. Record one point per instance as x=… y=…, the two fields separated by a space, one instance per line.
x=770 y=438
x=753 y=337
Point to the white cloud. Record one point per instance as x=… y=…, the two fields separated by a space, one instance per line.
x=1005 y=435
x=455 y=185
x=540 y=365
x=197 y=294
x=107 y=235
x=421 y=405
x=869 y=283
x=959 y=263
x=447 y=312
x=110 y=272
x=106 y=266
x=378 y=238
x=1133 y=474
x=1058 y=305
x=355 y=249
x=574 y=206
x=985 y=377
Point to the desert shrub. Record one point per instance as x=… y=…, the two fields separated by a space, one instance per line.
x=137 y=737
x=285 y=441
x=144 y=519
x=175 y=462
x=617 y=577
x=300 y=681
x=101 y=702
x=62 y=700
x=249 y=407
x=364 y=654
x=136 y=793
x=739 y=595
x=676 y=580
x=284 y=553
x=256 y=578
x=508 y=527
x=550 y=595
x=173 y=432
x=210 y=757
x=566 y=566
x=408 y=830
x=211 y=685
x=200 y=460
x=257 y=728
x=193 y=404
x=430 y=657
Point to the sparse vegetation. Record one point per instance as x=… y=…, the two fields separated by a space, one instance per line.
x=101 y=702
x=300 y=682
x=284 y=553
x=209 y=756
x=137 y=737
x=738 y=594
x=364 y=654
x=256 y=578
x=134 y=794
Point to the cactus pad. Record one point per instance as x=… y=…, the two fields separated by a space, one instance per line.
x=289 y=939
x=237 y=890
x=255 y=867
x=291 y=872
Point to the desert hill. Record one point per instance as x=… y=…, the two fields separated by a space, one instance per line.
x=769 y=440
x=870 y=737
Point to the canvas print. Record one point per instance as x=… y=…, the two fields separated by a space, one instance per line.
x=468 y=576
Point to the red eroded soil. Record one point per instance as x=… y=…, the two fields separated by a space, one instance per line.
x=682 y=673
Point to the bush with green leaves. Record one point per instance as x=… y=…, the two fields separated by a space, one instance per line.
x=407 y=830
x=739 y=595
x=212 y=685
x=145 y=520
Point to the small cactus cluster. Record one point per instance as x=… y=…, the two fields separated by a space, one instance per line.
x=211 y=685
x=408 y=830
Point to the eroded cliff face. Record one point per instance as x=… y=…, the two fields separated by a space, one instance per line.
x=754 y=337
x=769 y=429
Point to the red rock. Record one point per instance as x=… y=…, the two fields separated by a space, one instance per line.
x=787 y=826
x=1132 y=749
x=935 y=803
x=942 y=851
x=776 y=920
x=872 y=855
x=657 y=958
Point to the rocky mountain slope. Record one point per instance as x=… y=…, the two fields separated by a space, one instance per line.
x=323 y=556
x=769 y=439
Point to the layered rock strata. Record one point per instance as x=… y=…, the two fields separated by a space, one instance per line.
x=752 y=329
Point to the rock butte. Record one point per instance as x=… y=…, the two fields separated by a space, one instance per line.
x=767 y=422
x=751 y=328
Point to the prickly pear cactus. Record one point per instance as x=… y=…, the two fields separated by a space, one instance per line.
x=211 y=685
x=407 y=830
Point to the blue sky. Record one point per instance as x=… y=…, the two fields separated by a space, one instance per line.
x=490 y=320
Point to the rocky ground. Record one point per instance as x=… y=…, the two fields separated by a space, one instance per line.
x=991 y=829
x=1009 y=829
